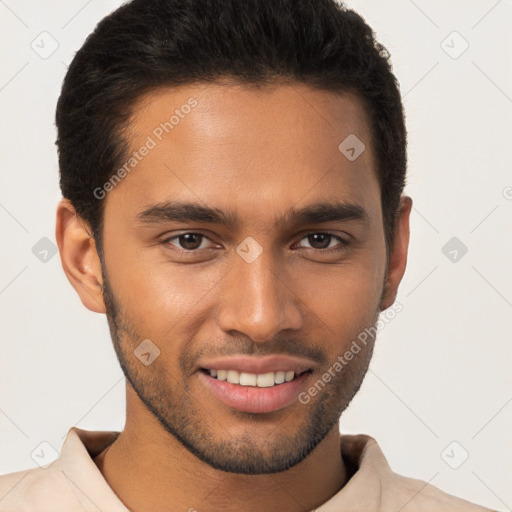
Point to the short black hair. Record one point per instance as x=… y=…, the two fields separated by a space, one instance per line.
x=149 y=44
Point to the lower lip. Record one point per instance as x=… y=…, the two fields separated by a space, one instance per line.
x=252 y=398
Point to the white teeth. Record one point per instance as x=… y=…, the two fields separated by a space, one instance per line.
x=248 y=379
x=233 y=376
x=262 y=380
x=279 y=377
x=265 y=380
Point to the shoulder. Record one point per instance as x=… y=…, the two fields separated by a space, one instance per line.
x=40 y=489
x=388 y=491
x=418 y=496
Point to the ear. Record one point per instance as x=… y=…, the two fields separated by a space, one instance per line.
x=79 y=257
x=398 y=253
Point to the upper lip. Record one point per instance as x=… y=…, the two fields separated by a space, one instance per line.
x=259 y=365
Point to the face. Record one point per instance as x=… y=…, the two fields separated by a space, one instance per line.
x=277 y=263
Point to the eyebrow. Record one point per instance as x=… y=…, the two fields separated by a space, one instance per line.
x=178 y=211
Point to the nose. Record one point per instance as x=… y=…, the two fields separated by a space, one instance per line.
x=258 y=300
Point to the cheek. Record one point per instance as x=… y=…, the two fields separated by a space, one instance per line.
x=348 y=289
x=160 y=297
x=346 y=299
x=347 y=305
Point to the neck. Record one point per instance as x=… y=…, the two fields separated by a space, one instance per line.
x=149 y=469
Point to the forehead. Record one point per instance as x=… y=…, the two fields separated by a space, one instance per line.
x=238 y=148
x=236 y=114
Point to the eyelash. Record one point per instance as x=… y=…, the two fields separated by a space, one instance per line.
x=342 y=241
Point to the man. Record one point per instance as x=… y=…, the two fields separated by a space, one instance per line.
x=232 y=175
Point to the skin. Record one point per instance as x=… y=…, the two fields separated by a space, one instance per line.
x=255 y=153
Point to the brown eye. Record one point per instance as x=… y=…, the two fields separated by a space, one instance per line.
x=186 y=241
x=322 y=241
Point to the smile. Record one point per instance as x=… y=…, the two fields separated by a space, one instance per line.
x=262 y=380
x=253 y=392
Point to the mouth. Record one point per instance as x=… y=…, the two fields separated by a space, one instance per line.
x=254 y=393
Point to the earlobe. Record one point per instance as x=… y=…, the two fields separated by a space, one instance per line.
x=79 y=256
x=398 y=254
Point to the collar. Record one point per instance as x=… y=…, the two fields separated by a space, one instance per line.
x=361 y=453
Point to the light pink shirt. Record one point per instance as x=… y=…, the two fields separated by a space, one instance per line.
x=73 y=483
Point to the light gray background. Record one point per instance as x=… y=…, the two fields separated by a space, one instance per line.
x=441 y=370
